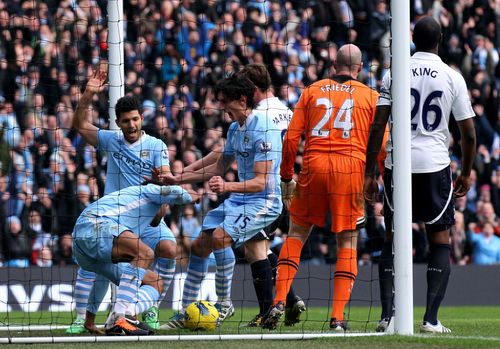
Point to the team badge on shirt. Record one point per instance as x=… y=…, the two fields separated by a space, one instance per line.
x=144 y=154
x=266 y=147
x=165 y=190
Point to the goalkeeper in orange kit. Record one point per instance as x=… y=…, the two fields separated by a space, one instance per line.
x=335 y=116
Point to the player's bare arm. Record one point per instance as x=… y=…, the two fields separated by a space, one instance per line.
x=162 y=212
x=207 y=160
x=254 y=185
x=201 y=175
x=96 y=84
x=377 y=131
x=468 y=144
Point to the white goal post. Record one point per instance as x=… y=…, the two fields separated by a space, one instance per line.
x=403 y=264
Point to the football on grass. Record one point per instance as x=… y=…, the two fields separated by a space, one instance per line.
x=201 y=315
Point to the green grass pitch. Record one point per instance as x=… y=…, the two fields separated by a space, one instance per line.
x=473 y=327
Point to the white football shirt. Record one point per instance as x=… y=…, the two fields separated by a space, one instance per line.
x=276 y=112
x=437 y=90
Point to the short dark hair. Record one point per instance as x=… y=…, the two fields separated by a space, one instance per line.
x=236 y=86
x=426 y=34
x=258 y=74
x=126 y=104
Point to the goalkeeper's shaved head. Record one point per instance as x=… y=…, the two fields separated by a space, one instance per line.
x=348 y=61
x=427 y=34
x=348 y=56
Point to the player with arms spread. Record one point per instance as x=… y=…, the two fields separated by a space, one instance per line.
x=334 y=115
x=132 y=155
x=437 y=91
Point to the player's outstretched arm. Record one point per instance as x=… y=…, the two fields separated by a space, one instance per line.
x=210 y=159
x=201 y=175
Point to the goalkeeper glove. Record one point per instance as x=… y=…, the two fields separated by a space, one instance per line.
x=287 y=192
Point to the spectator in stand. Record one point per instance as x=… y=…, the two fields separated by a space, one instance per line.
x=458 y=238
x=485 y=246
x=39 y=238
x=63 y=250
x=45 y=258
x=17 y=244
x=192 y=45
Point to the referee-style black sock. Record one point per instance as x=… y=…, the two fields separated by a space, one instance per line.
x=386 y=279
x=273 y=259
x=438 y=274
x=263 y=282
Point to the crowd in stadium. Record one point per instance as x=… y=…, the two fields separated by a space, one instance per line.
x=175 y=52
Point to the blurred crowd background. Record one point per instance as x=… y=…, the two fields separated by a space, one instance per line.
x=175 y=51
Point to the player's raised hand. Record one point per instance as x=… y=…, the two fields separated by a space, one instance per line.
x=287 y=192
x=370 y=190
x=97 y=82
x=217 y=184
x=462 y=185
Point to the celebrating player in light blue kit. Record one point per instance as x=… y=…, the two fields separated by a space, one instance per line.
x=107 y=240
x=132 y=155
x=262 y=260
x=254 y=201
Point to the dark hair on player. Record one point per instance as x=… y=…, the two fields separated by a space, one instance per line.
x=426 y=34
x=234 y=87
x=258 y=74
x=126 y=104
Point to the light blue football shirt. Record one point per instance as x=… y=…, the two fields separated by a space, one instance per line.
x=128 y=207
x=257 y=140
x=129 y=163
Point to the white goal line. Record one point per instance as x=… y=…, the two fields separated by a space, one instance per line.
x=97 y=339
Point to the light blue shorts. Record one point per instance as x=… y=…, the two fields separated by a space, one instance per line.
x=92 y=246
x=241 y=220
x=153 y=235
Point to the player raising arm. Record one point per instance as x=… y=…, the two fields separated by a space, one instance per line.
x=132 y=155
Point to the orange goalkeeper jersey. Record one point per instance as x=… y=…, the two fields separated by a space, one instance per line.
x=334 y=116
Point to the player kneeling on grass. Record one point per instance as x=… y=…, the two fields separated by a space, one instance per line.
x=107 y=241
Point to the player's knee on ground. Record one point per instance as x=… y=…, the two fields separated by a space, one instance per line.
x=166 y=249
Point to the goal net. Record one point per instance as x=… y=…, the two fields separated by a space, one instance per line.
x=173 y=55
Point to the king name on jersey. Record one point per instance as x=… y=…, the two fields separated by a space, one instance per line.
x=424 y=71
